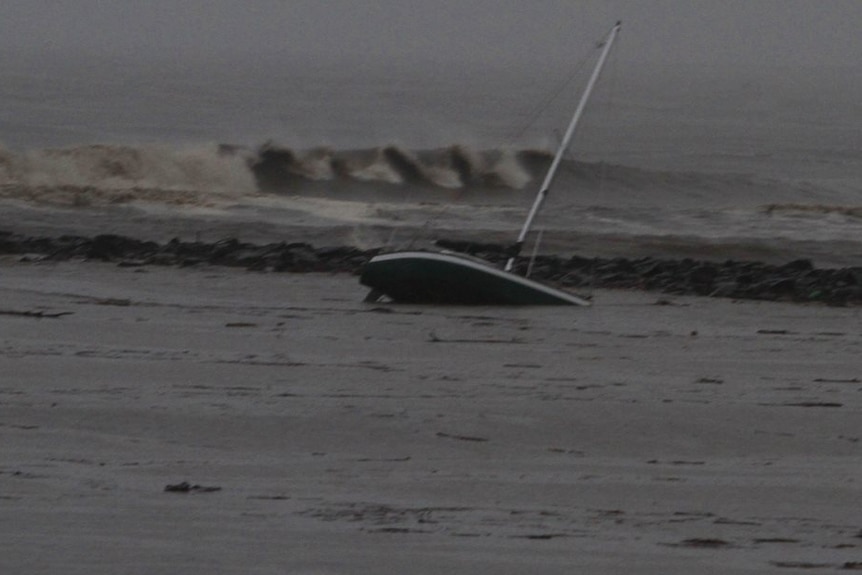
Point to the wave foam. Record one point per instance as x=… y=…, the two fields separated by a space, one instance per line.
x=215 y=175
x=281 y=169
x=125 y=173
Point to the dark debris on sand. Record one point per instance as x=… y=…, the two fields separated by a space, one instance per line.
x=186 y=487
x=796 y=281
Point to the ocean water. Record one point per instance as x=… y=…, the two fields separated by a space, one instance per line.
x=681 y=161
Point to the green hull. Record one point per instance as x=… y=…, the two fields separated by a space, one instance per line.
x=446 y=278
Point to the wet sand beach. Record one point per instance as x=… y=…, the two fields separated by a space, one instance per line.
x=212 y=420
x=191 y=382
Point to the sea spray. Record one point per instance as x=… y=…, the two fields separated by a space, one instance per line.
x=111 y=174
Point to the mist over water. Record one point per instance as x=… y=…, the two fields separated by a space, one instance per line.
x=663 y=150
x=673 y=117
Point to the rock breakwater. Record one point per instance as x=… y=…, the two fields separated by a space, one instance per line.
x=795 y=281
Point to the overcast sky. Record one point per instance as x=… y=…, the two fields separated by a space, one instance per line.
x=745 y=32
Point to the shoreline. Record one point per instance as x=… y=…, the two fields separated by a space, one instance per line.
x=795 y=281
x=317 y=434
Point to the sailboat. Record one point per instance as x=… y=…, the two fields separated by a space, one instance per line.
x=450 y=278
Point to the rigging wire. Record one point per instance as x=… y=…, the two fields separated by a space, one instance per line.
x=610 y=91
x=545 y=104
x=607 y=101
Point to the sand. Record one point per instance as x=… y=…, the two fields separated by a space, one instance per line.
x=645 y=434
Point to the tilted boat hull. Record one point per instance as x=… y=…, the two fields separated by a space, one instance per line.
x=447 y=278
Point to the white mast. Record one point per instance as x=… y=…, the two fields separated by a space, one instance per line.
x=567 y=138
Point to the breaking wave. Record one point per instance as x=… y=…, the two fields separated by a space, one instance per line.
x=456 y=167
x=225 y=174
x=98 y=174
